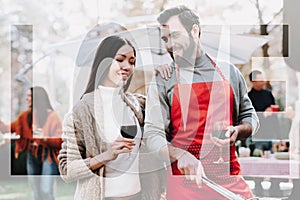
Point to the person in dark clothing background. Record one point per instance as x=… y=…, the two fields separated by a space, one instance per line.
x=262 y=99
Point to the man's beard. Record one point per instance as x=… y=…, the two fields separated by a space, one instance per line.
x=186 y=60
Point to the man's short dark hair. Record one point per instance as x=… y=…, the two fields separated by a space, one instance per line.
x=186 y=16
x=253 y=75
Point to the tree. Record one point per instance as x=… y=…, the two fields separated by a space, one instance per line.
x=264 y=29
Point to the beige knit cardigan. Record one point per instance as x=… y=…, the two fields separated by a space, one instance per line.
x=82 y=128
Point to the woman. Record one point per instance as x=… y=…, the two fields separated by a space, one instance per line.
x=105 y=164
x=39 y=128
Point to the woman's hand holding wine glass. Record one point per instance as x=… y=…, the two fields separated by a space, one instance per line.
x=119 y=146
x=38 y=133
x=128 y=131
x=123 y=144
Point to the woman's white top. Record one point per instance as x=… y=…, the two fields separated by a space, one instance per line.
x=121 y=174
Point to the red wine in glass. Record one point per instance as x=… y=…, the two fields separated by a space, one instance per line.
x=128 y=131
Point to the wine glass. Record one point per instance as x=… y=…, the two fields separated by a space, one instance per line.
x=219 y=131
x=128 y=131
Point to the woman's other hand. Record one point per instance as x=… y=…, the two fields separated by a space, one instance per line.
x=119 y=146
x=38 y=133
x=164 y=70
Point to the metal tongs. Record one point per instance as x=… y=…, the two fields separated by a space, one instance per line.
x=223 y=191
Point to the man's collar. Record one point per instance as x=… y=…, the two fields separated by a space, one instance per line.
x=201 y=60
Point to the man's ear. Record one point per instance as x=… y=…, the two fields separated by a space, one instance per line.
x=195 y=31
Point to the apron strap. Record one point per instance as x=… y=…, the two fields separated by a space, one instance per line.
x=216 y=66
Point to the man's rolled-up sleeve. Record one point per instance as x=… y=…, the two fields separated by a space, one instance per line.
x=247 y=112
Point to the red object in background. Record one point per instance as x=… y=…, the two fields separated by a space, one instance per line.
x=274 y=108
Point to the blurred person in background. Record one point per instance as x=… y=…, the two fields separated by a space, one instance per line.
x=262 y=100
x=39 y=128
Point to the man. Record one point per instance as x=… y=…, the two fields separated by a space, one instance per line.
x=186 y=108
x=262 y=99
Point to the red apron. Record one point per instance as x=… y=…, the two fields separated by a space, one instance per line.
x=208 y=102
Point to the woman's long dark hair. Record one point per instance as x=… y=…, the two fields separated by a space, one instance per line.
x=103 y=60
x=40 y=106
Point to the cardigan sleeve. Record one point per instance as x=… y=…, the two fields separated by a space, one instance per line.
x=14 y=126
x=73 y=164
